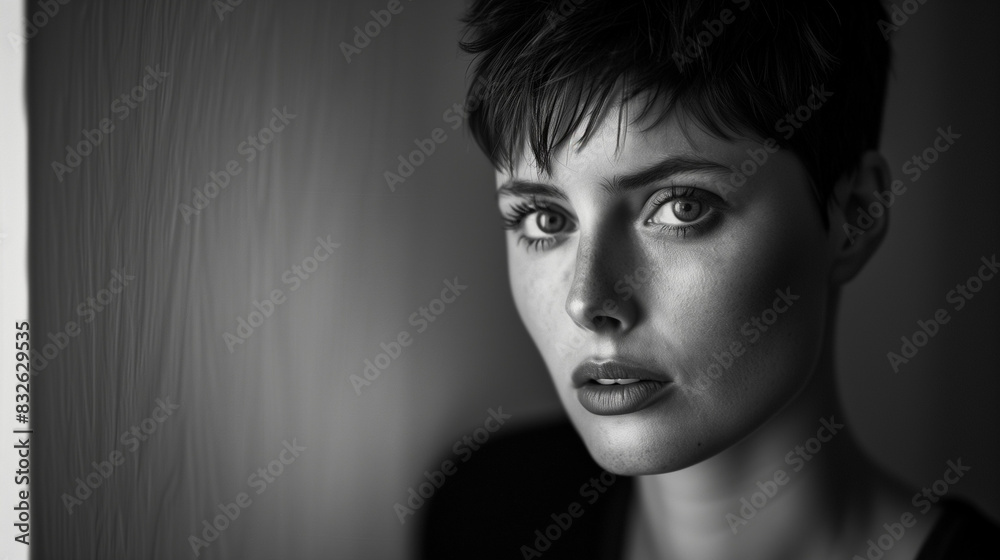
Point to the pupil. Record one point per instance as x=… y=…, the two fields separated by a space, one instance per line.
x=549 y=222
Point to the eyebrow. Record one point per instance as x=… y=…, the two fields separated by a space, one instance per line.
x=659 y=171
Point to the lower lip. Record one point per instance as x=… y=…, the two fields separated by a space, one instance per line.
x=609 y=400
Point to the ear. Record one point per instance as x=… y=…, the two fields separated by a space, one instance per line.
x=859 y=215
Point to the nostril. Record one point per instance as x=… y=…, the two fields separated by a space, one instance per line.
x=592 y=306
x=603 y=321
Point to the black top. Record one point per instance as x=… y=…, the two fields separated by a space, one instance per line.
x=538 y=494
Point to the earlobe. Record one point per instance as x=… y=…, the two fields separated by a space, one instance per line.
x=859 y=215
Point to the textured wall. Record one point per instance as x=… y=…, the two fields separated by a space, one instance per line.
x=190 y=278
x=940 y=405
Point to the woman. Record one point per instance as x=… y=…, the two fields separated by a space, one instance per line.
x=686 y=187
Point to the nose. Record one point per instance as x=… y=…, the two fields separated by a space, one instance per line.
x=602 y=296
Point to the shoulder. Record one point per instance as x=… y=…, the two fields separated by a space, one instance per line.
x=961 y=532
x=504 y=496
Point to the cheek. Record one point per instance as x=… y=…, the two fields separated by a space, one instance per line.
x=752 y=314
x=540 y=285
x=535 y=286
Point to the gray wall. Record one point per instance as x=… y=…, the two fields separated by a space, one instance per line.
x=162 y=334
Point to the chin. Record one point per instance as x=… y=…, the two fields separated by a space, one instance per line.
x=642 y=443
x=635 y=453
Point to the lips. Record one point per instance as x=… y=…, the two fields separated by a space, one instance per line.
x=611 y=387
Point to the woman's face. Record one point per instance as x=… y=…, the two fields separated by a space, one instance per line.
x=703 y=294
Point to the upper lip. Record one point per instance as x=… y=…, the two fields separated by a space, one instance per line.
x=613 y=368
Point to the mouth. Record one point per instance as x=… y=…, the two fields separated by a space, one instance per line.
x=612 y=387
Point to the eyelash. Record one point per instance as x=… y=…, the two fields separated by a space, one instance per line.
x=515 y=215
x=512 y=220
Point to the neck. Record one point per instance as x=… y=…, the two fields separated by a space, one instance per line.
x=782 y=492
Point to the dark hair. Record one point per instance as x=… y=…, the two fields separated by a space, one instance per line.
x=543 y=68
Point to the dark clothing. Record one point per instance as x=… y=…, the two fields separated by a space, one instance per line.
x=538 y=494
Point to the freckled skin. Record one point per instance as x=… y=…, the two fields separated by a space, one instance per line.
x=700 y=291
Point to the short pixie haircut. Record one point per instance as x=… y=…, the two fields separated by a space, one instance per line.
x=544 y=68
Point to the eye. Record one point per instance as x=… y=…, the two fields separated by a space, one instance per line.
x=683 y=210
x=546 y=222
x=538 y=224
